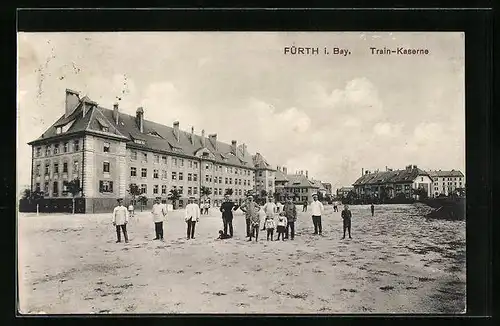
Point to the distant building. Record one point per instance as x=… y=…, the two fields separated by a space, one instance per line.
x=264 y=175
x=342 y=192
x=108 y=151
x=319 y=185
x=297 y=185
x=393 y=183
x=446 y=182
x=328 y=187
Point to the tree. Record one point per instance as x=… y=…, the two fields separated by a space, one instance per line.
x=26 y=194
x=143 y=200
x=321 y=197
x=229 y=192
x=351 y=197
x=461 y=191
x=205 y=191
x=421 y=193
x=174 y=196
x=74 y=188
x=134 y=191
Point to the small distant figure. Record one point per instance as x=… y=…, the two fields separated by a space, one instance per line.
x=223 y=236
x=281 y=226
x=372 y=208
x=346 y=220
x=269 y=224
x=207 y=206
x=192 y=216
x=131 y=210
x=120 y=220
x=304 y=208
x=159 y=212
x=335 y=207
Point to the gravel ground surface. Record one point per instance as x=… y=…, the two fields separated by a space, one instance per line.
x=397 y=262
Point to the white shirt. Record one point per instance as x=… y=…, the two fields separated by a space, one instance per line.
x=158 y=212
x=192 y=211
x=316 y=208
x=270 y=209
x=120 y=215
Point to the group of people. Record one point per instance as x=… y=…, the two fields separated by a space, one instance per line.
x=274 y=215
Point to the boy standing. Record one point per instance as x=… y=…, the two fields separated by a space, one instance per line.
x=159 y=212
x=192 y=216
x=120 y=220
x=317 y=210
x=346 y=220
x=290 y=211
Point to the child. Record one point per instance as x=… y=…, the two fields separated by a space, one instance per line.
x=255 y=225
x=131 y=210
x=281 y=226
x=223 y=235
x=269 y=224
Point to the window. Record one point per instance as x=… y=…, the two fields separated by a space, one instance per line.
x=58 y=130
x=181 y=176
x=155 y=174
x=155 y=189
x=206 y=178
x=65 y=147
x=139 y=141
x=133 y=155
x=206 y=166
x=164 y=159
x=220 y=180
x=37 y=170
x=76 y=145
x=220 y=191
x=144 y=189
x=181 y=190
x=46 y=188
x=105 y=167
x=47 y=167
x=164 y=174
x=190 y=164
x=47 y=150
x=56 y=167
x=104 y=128
x=174 y=161
x=195 y=164
x=156 y=158
x=190 y=177
x=260 y=173
x=215 y=179
x=37 y=187
x=174 y=175
x=181 y=161
x=38 y=151
x=163 y=189
x=421 y=178
x=195 y=190
x=56 y=149
x=133 y=171
x=65 y=167
x=105 y=147
x=144 y=173
x=190 y=190
x=195 y=177
x=144 y=157
x=230 y=181
x=225 y=181
x=55 y=189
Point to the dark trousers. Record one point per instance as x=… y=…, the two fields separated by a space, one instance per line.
x=270 y=233
x=248 y=226
x=290 y=226
x=190 y=228
x=159 y=230
x=254 y=232
x=317 y=224
x=118 y=233
x=335 y=209
x=304 y=209
x=373 y=212
x=347 y=226
x=228 y=223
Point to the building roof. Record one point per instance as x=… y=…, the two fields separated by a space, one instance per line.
x=156 y=137
x=299 y=181
x=280 y=176
x=397 y=176
x=345 y=189
x=318 y=184
x=440 y=173
x=260 y=162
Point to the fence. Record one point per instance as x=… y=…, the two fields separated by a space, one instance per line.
x=52 y=205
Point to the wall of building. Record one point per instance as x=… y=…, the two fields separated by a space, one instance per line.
x=424 y=182
x=446 y=185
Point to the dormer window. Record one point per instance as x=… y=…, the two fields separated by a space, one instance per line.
x=154 y=134
x=105 y=129
x=139 y=141
x=58 y=130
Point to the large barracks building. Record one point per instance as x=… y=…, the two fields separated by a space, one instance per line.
x=108 y=150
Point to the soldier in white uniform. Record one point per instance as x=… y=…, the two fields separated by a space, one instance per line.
x=120 y=220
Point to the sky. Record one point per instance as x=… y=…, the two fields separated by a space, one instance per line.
x=330 y=115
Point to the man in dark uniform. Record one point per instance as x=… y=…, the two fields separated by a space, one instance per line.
x=372 y=208
x=227 y=209
x=346 y=217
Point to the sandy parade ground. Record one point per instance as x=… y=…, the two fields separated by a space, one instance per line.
x=397 y=262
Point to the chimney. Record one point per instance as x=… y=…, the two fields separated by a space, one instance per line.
x=72 y=100
x=414 y=167
x=386 y=169
x=213 y=140
x=233 y=147
x=285 y=171
x=192 y=135
x=139 y=119
x=307 y=174
x=362 y=172
x=176 y=130
x=367 y=172
x=87 y=105
x=115 y=113
x=203 y=137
